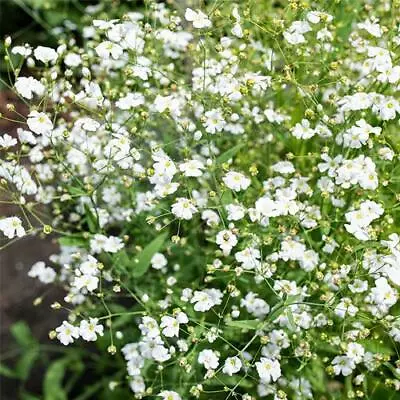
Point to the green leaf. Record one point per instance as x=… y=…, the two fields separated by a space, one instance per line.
x=52 y=385
x=250 y=324
x=91 y=219
x=7 y=372
x=77 y=191
x=374 y=346
x=22 y=334
x=289 y=314
x=26 y=362
x=71 y=241
x=226 y=198
x=315 y=373
x=142 y=261
x=28 y=396
x=276 y=311
x=231 y=381
x=224 y=157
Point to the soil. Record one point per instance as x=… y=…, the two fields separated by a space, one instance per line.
x=17 y=290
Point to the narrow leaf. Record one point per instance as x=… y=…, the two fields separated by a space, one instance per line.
x=250 y=324
x=52 y=385
x=22 y=334
x=142 y=261
x=224 y=157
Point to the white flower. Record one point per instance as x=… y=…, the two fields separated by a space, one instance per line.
x=236 y=181
x=45 y=54
x=209 y=359
x=315 y=17
x=7 y=141
x=206 y=299
x=183 y=208
x=100 y=243
x=343 y=365
x=158 y=261
x=226 y=240
x=39 y=123
x=43 y=273
x=268 y=369
x=137 y=384
x=294 y=34
x=131 y=100
x=199 y=19
x=27 y=87
x=237 y=30
x=72 y=60
x=355 y=352
x=371 y=26
x=11 y=227
x=170 y=325
x=249 y=258
x=24 y=51
x=345 y=307
x=211 y=217
x=89 y=330
x=66 y=333
x=232 y=366
x=169 y=395
x=192 y=168
x=303 y=130
x=283 y=167
x=215 y=121
x=109 y=49
x=89 y=282
x=149 y=327
x=235 y=212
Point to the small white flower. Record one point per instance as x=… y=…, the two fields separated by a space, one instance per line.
x=232 y=366
x=209 y=359
x=356 y=352
x=66 y=333
x=43 y=273
x=169 y=395
x=158 y=261
x=236 y=181
x=39 y=123
x=199 y=19
x=131 y=100
x=268 y=369
x=11 y=227
x=45 y=54
x=89 y=330
x=226 y=240
x=7 y=141
x=89 y=282
x=343 y=365
x=183 y=208
x=206 y=299
x=170 y=325
x=192 y=168
x=109 y=49
x=27 y=87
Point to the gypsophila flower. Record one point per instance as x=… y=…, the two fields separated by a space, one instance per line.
x=268 y=369
x=209 y=359
x=198 y=18
x=39 y=123
x=66 y=333
x=89 y=330
x=232 y=366
x=12 y=227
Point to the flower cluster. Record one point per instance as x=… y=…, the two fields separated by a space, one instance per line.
x=223 y=185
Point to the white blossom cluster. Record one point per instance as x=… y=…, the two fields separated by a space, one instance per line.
x=224 y=188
